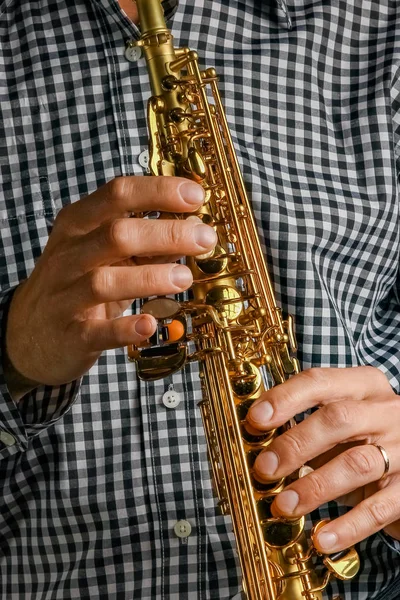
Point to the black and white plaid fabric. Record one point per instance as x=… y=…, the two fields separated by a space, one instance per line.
x=95 y=476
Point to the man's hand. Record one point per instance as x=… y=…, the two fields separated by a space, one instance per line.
x=96 y=262
x=357 y=407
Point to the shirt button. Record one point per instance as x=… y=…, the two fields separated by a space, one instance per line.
x=7 y=438
x=182 y=529
x=171 y=399
x=144 y=159
x=133 y=53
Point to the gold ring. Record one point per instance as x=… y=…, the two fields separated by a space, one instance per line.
x=385 y=458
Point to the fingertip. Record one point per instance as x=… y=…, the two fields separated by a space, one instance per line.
x=181 y=277
x=287 y=502
x=145 y=326
x=191 y=193
x=326 y=541
x=260 y=414
x=266 y=464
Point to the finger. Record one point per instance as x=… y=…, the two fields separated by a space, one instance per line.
x=349 y=471
x=148 y=260
x=315 y=387
x=370 y=516
x=123 y=238
x=125 y=195
x=330 y=425
x=114 y=284
x=158 y=260
x=97 y=335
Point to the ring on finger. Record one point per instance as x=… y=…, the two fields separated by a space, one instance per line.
x=385 y=457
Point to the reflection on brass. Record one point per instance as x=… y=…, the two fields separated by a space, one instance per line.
x=160 y=364
x=243 y=343
x=221 y=297
x=345 y=567
x=195 y=165
x=247 y=383
x=214 y=264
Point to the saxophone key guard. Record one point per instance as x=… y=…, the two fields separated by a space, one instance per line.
x=166 y=350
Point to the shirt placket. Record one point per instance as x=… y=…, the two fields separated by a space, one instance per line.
x=168 y=440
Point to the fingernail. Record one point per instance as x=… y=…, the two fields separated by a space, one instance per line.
x=267 y=463
x=191 y=193
x=143 y=326
x=262 y=413
x=327 y=541
x=205 y=236
x=181 y=276
x=287 y=501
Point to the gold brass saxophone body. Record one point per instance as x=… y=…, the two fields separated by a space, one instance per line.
x=231 y=322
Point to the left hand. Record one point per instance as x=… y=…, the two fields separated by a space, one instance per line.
x=357 y=407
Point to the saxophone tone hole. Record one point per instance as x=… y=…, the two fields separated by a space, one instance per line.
x=252 y=439
x=280 y=533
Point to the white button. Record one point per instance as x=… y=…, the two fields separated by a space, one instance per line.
x=171 y=399
x=133 y=53
x=182 y=529
x=7 y=438
x=144 y=159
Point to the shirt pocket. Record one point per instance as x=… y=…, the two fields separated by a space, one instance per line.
x=27 y=213
x=25 y=198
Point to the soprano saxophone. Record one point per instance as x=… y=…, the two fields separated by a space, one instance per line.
x=231 y=323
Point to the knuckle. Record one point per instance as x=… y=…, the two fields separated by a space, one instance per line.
x=150 y=280
x=165 y=189
x=84 y=335
x=281 y=399
x=338 y=415
x=117 y=235
x=117 y=333
x=376 y=376
x=293 y=443
x=316 y=487
x=64 y=222
x=62 y=217
x=353 y=530
x=175 y=236
x=99 y=284
x=52 y=256
x=381 y=513
x=359 y=461
x=318 y=377
x=115 y=190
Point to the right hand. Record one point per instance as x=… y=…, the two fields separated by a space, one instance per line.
x=96 y=262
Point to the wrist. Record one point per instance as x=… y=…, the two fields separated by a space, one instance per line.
x=18 y=385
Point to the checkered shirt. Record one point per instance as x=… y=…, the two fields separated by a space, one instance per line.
x=95 y=474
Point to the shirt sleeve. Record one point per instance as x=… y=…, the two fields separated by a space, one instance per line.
x=391 y=542
x=395 y=96
x=34 y=412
